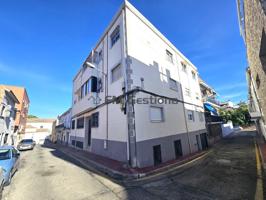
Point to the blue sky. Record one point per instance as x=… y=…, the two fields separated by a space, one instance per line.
x=43 y=43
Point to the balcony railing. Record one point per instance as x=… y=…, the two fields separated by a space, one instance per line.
x=211 y=100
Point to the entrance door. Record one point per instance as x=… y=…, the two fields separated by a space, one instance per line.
x=198 y=142
x=89 y=132
x=157 y=154
x=204 y=141
x=178 y=149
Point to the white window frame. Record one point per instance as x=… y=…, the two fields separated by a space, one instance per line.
x=187 y=92
x=192 y=114
x=162 y=114
x=201 y=116
x=117 y=65
x=184 y=67
x=115 y=35
x=175 y=86
x=169 y=56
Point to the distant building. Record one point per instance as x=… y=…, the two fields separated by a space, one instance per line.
x=228 y=105
x=211 y=107
x=39 y=129
x=22 y=109
x=8 y=102
x=62 y=128
x=252 y=21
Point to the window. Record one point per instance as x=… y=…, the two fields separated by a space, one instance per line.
x=115 y=36
x=201 y=118
x=116 y=73
x=73 y=124
x=262 y=53
x=197 y=96
x=184 y=67
x=169 y=56
x=80 y=123
x=193 y=75
x=95 y=120
x=258 y=81
x=187 y=92
x=190 y=115
x=173 y=84
x=156 y=114
x=2 y=110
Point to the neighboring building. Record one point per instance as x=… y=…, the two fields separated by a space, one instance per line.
x=8 y=111
x=22 y=109
x=139 y=68
x=211 y=106
x=39 y=129
x=252 y=22
x=63 y=127
x=228 y=105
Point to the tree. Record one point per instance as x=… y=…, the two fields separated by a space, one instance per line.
x=239 y=116
x=32 y=116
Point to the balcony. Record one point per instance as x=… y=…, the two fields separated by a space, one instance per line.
x=211 y=100
x=253 y=111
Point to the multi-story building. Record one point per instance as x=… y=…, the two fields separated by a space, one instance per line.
x=252 y=21
x=8 y=111
x=39 y=129
x=211 y=106
x=22 y=110
x=136 y=98
x=63 y=126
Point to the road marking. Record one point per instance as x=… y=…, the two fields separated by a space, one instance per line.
x=259 y=187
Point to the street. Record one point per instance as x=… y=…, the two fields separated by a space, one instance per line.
x=228 y=172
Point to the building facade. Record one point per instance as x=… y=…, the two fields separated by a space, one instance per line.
x=22 y=110
x=252 y=21
x=8 y=112
x=39 y=129
x=129 y=94
x=211 y=107
x=63 y=126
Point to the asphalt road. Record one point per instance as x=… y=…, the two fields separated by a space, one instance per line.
x=228 y=172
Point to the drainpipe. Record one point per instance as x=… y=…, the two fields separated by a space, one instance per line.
x=184 y=112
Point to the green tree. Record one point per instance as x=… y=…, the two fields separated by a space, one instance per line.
x=32 y=116
x=239 y=116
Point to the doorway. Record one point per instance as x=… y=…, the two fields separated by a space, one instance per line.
x=157 y=156
x=178 y=149
x=198 y=142
x=89 y=133
x=204 y=141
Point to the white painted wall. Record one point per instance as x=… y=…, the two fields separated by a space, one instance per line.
x=147 y=49
x=37 y=135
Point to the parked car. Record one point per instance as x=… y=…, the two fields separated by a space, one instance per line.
x=9 y=161
x=26 y=144
x=2 y=181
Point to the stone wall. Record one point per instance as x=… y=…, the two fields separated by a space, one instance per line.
x=255 y=23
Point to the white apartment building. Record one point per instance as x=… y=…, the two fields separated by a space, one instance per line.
x=63 y=126
x=135 y=63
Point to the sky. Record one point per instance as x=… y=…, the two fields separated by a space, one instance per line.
x=44 y=42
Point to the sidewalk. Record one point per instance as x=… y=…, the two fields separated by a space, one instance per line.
x=119 y=170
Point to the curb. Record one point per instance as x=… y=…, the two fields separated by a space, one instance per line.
x=261 y=156
x=119 y=176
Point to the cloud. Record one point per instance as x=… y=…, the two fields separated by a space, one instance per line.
x=233 y=95
x=23 y=73
x=35 y=78
x=231 y=86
